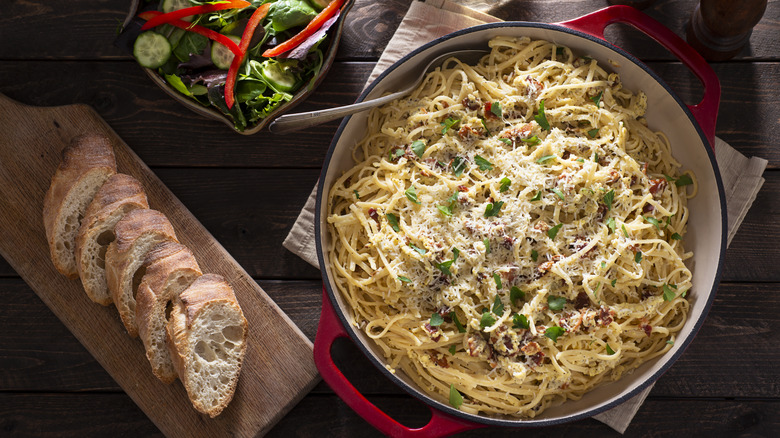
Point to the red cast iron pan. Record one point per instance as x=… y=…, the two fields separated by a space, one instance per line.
x=691 y=129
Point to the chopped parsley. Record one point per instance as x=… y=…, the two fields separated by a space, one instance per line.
x=553 y=332
x=483 y=163
x=455 y=253
x=613 y=282
x=670 y=342
x=495 y=108
x=498 y=306
x=531 y=141
x=418 y=147
x=593 y=132
x=638 y=256
x=538 y=196
x=516 y=294
x=448 y=123
x=445 y=210
x=411 y=194
x=404 y=279
x=668 y=292
x=497 y=279
x=552 y=232
x=520 y=321
x=422 y=251
x=653 y=221
x=595 y=157
x=534 y=255
x=458 y=166
x=625 y=233
x=455 y=319
x=609 y=198
x=540 y=117
x=545 y=158
x=555 y=303
x=357 y=195
x=453 y=348
x=506 y=141
x=487 y=245
x=676 y=236
x=580 y=160
x=445 y=267
x=505 y=183
x=597 y=99
x=603 y=264
x=484 y=125
x=436 y=320
x=559 y=51
x=491 y=210
x=456 y=400
x=487 y=319
x=609 y=350
x=559 y=193
x=683 y=181
x=393 y=220
x=611 y=224
x=396 y=153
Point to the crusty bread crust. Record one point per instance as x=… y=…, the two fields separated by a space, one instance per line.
x=170 y=269
x=209 y=294
x=87 y=162
x=136 y=234
x=118 y=196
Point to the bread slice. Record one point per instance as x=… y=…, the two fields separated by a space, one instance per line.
x=119 y=195
x=170 y=269
x=207 y=337
x=136 y=234
x=87 y=162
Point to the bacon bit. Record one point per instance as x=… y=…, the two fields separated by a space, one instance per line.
x=565 y=155
x=657 y=185
x=489 y=114
x=602 y=212
x=508 y=242
x=481 y=276
x=533 y=88
x=648 y=208
x=537 y=358
x=463 y=188
x=565 y=385
x=348 y=182
x=373 y=214
x=433 y=332
x=542 y=226
x=606 y=316
x=633 y=248
x=531 y=348
x=633 y=179
x=644 y=168
x=571 y=321
x=645 y=326
x=582 y=300
x=614 y=176
x=466 y=133
x=557 y=258
x=475 y=345
x=473 y=105
x=438 y=359
x=544 y=267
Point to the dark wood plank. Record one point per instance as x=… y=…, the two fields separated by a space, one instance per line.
x=38 y=354
x=78 y=415
x=29 y=29
x=250 y=212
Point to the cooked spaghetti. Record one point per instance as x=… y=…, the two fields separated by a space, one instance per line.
x=510 y=235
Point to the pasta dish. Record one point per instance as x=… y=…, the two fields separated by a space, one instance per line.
x=510 y=235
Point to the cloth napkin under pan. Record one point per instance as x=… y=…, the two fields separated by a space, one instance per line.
x=426 y=21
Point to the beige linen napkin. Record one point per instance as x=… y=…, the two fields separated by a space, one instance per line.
x=426 y=21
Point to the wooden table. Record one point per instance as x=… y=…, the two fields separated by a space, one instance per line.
x=248 y=190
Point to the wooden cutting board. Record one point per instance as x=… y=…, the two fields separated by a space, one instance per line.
x=278 y=368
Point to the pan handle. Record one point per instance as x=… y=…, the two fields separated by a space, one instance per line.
x=706 y=111
x=330 y=329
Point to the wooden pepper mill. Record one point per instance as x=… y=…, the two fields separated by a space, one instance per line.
x=719 y=29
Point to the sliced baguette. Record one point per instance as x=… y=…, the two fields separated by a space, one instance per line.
x=119 y=195
x=207 y=338
x=136 y=234
x=87 y=162
x=170 y=269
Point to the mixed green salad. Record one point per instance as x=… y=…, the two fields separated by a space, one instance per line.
x=243 y=58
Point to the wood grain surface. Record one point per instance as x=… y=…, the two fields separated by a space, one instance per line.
x=29 y=154
x=247 y=192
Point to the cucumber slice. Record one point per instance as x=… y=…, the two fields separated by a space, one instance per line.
x=279 y=76
x=221 y=56
x=151 y=49
x=175 y=5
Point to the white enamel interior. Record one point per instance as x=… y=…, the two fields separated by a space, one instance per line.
x=705 y=228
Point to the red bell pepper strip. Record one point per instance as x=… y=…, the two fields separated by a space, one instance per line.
x=208 y=33
x=312 y=27
x=194 y=10
x=246 y=37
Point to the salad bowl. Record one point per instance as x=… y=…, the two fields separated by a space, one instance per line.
x=327 y=46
